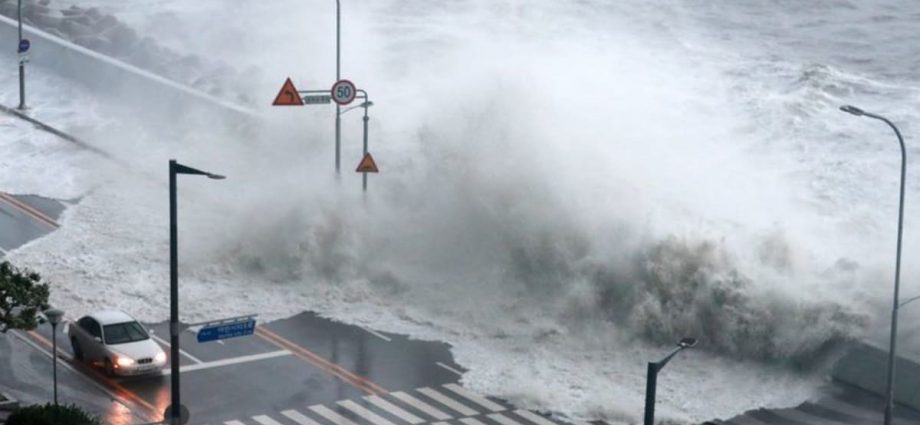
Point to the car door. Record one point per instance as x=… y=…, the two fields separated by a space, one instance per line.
x=90 y=330
x=80 y=334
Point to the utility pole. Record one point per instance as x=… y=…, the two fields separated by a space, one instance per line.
x=22 y=65
x=338 y=76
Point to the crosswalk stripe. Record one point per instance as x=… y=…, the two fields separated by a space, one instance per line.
x=298 y=417
x=440 y=423
x=447 y=401
x=533 y=417
x=395 y=410
x=364 y=413
x=420 y=405
x=502 y=419
x=336 y=418
x=265 y=420
x=233 y=423
x=482 y=401
x=471 y=421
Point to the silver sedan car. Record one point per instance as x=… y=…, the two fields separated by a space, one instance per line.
x=117 y=342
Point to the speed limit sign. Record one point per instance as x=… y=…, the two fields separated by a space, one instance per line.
x=343 y=92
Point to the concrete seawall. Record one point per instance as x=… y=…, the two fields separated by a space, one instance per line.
x=110 y=77
x=866 y=366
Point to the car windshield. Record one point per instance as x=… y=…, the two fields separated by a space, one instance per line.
x=121 y=333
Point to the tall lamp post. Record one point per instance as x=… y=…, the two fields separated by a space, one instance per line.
x=889 y=392
x=175 y=409
x=54 y=317
x=652 y=381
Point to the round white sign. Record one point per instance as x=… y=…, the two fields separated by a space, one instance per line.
x=343 y=92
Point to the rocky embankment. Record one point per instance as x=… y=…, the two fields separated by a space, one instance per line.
x=104 y=33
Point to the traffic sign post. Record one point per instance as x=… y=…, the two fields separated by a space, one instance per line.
x=344 y=92
x=288 y=95
x=229 y=328
x=317 y=99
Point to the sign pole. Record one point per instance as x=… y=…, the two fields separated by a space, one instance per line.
x=364 y=176
x=338 y=76
x=22 y=66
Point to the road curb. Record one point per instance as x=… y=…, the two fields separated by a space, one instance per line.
x=7 y=402
x=50 y=129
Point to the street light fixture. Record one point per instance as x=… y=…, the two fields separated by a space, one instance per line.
x=889 y=393
x=652 y=381
x=54 y=316
x=175 y=409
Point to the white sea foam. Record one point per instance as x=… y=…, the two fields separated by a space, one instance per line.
x=565 y=190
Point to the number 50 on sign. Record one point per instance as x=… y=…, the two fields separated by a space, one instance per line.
x=343 y=92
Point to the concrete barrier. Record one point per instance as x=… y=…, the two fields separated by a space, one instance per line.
x=865 y=366
x=131 y=85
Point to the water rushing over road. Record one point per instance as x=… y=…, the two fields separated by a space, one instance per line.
x=565 y=188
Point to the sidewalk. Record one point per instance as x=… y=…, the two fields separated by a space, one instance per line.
x=26 y=375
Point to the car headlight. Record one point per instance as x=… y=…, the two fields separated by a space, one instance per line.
x=124 y=361
x=160 y=357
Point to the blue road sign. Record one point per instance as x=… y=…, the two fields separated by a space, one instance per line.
x=227 y=330
x=24 y=45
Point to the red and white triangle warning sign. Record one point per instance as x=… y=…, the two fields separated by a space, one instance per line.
x=288 y=95
x=367 y=164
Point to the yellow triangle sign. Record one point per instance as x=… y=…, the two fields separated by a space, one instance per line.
x=288 y=95
x=367 y=164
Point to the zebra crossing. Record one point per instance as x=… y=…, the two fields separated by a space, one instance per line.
x=448 y=404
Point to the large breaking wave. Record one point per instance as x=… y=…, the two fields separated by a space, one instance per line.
x=566 y=191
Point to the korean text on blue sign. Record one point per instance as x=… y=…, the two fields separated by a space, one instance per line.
x=229 y=330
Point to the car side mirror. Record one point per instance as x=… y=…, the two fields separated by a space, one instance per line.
x=98 y=339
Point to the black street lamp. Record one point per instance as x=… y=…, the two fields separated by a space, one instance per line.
x=889 y=392
x=652 y=381
x=174 y=411
x=54 y=317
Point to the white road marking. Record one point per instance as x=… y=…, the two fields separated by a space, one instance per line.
x=471 y=421
x=418 y=404
x=231 y=361
x=335 y=418
x=395 y=410
x=233 y=423
x=476 y=398
x=502 y=419
x=459 y=373
x=447 y=401
x=377 y=334
x=299 y=417
x=181 y=351
x=265 y=420
x=533 y=417
x=440 y=423
x=364 y=413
